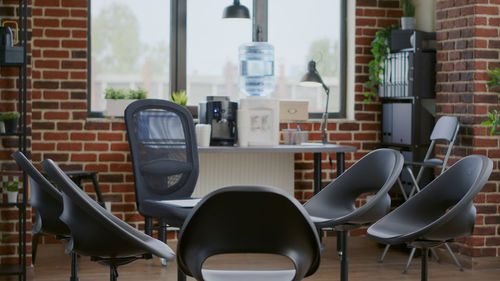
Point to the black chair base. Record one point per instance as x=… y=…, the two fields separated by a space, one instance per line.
x=114 y=263
x=424 y=246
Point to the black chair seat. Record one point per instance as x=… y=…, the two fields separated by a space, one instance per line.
x=248 y=219
x=97 y=233
x=334 y=206
x=440 y=212
x=161 y=209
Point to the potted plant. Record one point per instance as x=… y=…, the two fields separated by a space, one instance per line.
x=180 y=97
x=408 y=19
x=118 y=100
x=12 y=188
x=493 y=116
x=10 y=121
x=380 y=48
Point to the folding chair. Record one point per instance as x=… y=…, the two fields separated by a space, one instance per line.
x=445 y=129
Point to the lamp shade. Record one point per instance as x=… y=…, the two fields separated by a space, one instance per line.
x=311 y=78
x=236 y=11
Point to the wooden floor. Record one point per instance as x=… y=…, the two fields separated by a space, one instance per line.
x=53 y=264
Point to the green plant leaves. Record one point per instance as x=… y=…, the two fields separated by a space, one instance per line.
x=380 y=48
x=494 y=121
x=494 y=81
x=113 y=94
x=180 y=97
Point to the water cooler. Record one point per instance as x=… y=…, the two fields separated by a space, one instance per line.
x=258 y=123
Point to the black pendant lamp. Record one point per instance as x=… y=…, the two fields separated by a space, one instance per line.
x=236 y=11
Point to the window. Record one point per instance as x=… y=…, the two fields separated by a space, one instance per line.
x=129 y=48
x=203 y=48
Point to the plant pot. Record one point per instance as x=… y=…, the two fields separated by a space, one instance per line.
x=407 y=23
x=12 y=196
x=116 y=107
x=10 y=125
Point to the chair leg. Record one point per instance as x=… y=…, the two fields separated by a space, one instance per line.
x=74 y=267
x=402 y=189
x=180 y=275
x=148 y=226
x=454 y=257
x=342 y=250
x=34 y=247
x=384 y=253
x=162 y=236
x=412 y=253
x=435 y=255
x=425 y=253
x=113 y=273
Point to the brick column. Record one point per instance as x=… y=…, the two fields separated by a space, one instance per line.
x=468 y=44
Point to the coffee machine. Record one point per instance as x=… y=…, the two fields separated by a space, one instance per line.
x=220 y=113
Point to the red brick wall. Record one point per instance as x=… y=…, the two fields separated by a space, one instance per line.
x=469 y=44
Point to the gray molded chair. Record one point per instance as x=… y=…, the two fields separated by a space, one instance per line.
x=48 y=203
x=334 y=206
x=164 y=158
x=441 y=212
x=97 y=233
x=446 y=129
x=248 y=219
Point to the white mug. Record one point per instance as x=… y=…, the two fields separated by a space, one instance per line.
x=243 y=127
x=203 y=132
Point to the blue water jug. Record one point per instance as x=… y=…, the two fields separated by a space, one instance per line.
x=257 y=68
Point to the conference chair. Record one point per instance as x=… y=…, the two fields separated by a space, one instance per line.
x=165 y=161
x=48 y=203
x=440 y=212
x=446 y=129
x=334 y=206
x=248 y=219
x=97 y=233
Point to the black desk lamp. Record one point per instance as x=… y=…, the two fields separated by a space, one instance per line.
x=236 y=11
x=313 y=79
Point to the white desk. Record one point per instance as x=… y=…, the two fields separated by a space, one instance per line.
x=223 y=165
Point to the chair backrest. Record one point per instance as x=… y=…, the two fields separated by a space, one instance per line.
x=442 y=210
x=45 y=198
x=375 y=173
x=163 y=149
x=248 y=219
x=446 y=128
x=95 y=231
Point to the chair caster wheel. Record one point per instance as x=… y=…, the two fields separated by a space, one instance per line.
x=164 y=262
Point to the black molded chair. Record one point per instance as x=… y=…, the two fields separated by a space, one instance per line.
x=48 y=203
x=97 y=233
x=164 y=158
x=248 y=219
x=334 y=206
x=440 y=212
x=446 y=129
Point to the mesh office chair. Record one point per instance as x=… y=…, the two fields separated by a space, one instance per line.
x=164 y=158
x=48 y=204
x=97 y=233
x=442 y=211
x=334 y=206
x=446 y=129
x=248 y=219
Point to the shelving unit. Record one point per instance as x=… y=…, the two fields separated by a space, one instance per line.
x=19 y=269
x=408 y=96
